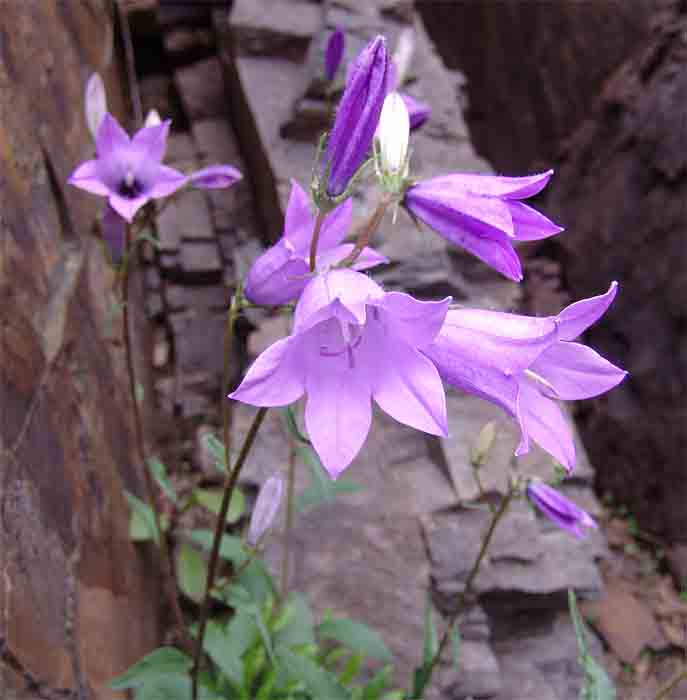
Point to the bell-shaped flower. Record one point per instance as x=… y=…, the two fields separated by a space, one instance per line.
x=334 y=53
x=352 y=343
x=357 y=117
x=561 y=511
x=483 y=214
x=129 y=171
x=281 y=273
x=524 y=364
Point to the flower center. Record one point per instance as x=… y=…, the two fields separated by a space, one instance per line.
x=129 y=187
x=341 y=338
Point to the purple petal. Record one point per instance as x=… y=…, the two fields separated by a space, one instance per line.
x=563 y=512
x=494 y=185
x=299 y=221
x=125 y=207
x=418 y=112
x=165 y=181
x=114 y=233
x=541 y=420
x=338 y=411
x=407 y=386
x=151 y=141
x=275 y=378
x=87 y=177
x=529 y=224
x=577 y=317
x=111 y=137
x=576 y=371
x=276 y=277
x=215 y=177
x=335 y=226
x=368 y=257
x=334 y=53
x=410 y=320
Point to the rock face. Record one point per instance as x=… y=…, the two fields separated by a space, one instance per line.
x=611 y=123
x=78 y=603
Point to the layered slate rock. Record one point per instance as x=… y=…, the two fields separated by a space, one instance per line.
x=78 y=602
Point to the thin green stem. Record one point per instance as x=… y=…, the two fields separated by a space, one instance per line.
x=288 y=525
x=472 y=576
x=370 y=227
x=229 y=486
x=316 y=239
x=169 y=584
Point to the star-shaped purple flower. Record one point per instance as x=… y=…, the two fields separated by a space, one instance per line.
x=524 y=364
x=351 y=343
x=281 y=273
x=128 y=171
x=561 y=511
x=483 y=214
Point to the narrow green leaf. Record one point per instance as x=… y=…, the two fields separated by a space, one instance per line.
x=159 y=472
x=431 y=642
x=216 y=449
x=142 y=526
x=159 y=663
x=316 y=679
x=212 y=500
x=230 y=547
x=356 y=636
x=192 y=570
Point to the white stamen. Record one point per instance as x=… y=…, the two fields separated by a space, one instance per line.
x=544 y=384
x=129 y=179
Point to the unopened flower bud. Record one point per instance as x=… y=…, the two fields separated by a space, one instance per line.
x=334 y=53
x=95 y=102
x=266 y=507
x=564 y=513
x=393 y=134
x=356 y=118
x=152 y=118
x=483 y=444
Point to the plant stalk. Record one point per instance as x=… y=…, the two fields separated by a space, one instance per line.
x=368 y=229
x=316 y=239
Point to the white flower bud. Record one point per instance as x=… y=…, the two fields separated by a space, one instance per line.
x=152 y=118
x=393 y=133
x=266 y=507
x=95 y=102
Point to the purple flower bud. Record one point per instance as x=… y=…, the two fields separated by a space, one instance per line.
x=114 y=233
x=266 y=507
x=95 y=101
x=419 y=112
x=559 y=509
x=357 y=117
x=215 y=177
x=334 y=53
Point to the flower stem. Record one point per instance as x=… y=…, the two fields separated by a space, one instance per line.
x=316 y=239
x=169 y=583
x=367 y=230
x=229 y=486
x=472 y=576
x=288 y=525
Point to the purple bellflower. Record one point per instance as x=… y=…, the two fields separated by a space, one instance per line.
x=282 y=272
x=334 y=53
x=351 y=343
x=419 y=112
x=129 y=171
x=483 y=214
x=357 y=116
x=523 y=364
x=564 y=513
x=266 y=508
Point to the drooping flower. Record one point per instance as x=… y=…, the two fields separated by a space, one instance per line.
x=351 y=343
x=266 y=507
x=334 y=53
x=563 y=512
x=281 y=273
x=483 y=214
x=356 y=117
x=129 y=171
x=524 y=364
x=418 y=112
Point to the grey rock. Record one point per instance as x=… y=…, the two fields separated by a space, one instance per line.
x=478 y=674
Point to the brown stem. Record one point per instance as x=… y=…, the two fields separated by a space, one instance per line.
x=167 y=572
x=367 y=230
x=472 y=576
x=316 y=239
x=229 y=486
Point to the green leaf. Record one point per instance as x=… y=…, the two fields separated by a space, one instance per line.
x=142 y=526
x=230 y=547
x=256 y=579
x=216 y=448
x=158 y=664
x=192 y=571
x=299 y=624
x=221 y=649
x=356 y=636
x=351 y=669
x=455 y=644
x=265 y=635
x=212 y=500
x=431 y=643
x=159 y=472
x=378 y=684
x=317 y=680
x=243 y=631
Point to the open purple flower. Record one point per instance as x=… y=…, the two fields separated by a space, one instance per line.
x=356 y=117
x=351 y=343
x=483 y=214
x=281 y=273
x=523 y=364
x=128 y=171
x=334 y=53
x=564 y=513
